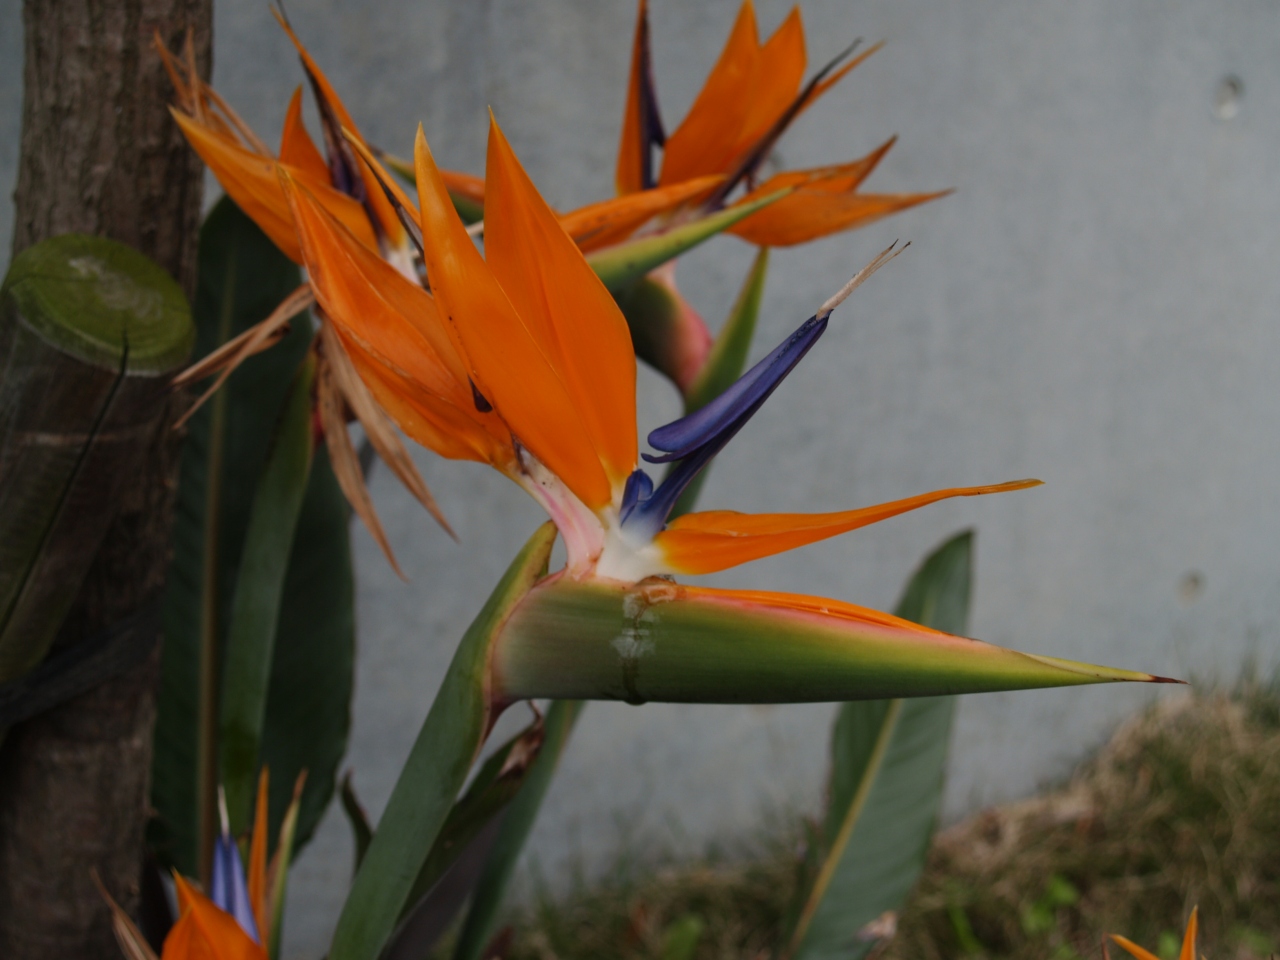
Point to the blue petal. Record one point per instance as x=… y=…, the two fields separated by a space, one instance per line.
x=695 y=439
x=725 y=415
x=229 y=890
x=638 y=489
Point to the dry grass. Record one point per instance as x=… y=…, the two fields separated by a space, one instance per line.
x=1181 y=807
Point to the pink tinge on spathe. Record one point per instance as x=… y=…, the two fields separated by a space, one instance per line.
x=689 y=343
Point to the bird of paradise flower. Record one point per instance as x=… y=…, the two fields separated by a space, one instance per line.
x=240 y=917
x=526 y=364
x=753 y=94
x=359 y=196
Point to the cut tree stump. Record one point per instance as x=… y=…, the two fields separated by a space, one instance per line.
x=99 y=155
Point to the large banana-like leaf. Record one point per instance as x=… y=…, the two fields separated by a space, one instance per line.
x=242 y=278
x=461 y=851
x=888 y=766
x=435 y=770
x=515 y=829
x=255 y=605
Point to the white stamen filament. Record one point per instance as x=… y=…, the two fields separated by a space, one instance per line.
x=860 y=277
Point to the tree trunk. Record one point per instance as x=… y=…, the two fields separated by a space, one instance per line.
x=99 y=155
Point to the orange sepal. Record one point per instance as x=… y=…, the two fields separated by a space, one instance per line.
x=440 y=427
x=259 y=893
x=252 y=181
x=629 y=174
x=378 y=202
x=810 y=214
x=297 y=149
x=397 y=323
x=1189 y=938
x=778 y=76
x=719 y=539
x=205 y=932
x=707 y=139
x=611 y=221
x=506 y=363
x=1132 y=948
x=564 y=305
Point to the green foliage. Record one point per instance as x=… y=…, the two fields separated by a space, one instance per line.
x=681 y=939
x=888 y=766
x=435 y=770
x=242 y=277
x=1182 y=807
x=1041 y=916
x=493 y=787
x=255 y=603
x=516 y=827
x=361 y=832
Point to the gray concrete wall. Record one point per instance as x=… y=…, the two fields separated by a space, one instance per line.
x=1096 y=306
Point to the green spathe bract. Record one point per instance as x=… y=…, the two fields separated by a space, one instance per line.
x=620 y=266
x=658 y=641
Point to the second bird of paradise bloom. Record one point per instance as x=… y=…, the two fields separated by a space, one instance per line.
x=239 y=917
x=524 y=362
x=359 y=196
x=751 y=96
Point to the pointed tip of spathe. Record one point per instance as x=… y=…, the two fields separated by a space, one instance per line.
x=1097 y=674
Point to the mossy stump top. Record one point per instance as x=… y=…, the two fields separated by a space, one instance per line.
x=92 y=298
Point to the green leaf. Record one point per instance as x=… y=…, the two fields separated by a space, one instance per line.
x=313 y=673
x=497 y=781
x=726 y=361
x=621 y=265
x=361 y=832
x=888 y=767
x=286 y=850
x=459 y=854
x=666 y=642
x=255 y=605
x=242 y=278
x=680 y=941
x=482 y=917
x=435 y=770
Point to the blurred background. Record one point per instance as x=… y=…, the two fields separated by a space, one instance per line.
x=1096 y=306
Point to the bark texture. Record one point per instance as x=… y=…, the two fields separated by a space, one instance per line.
x=99 y=155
